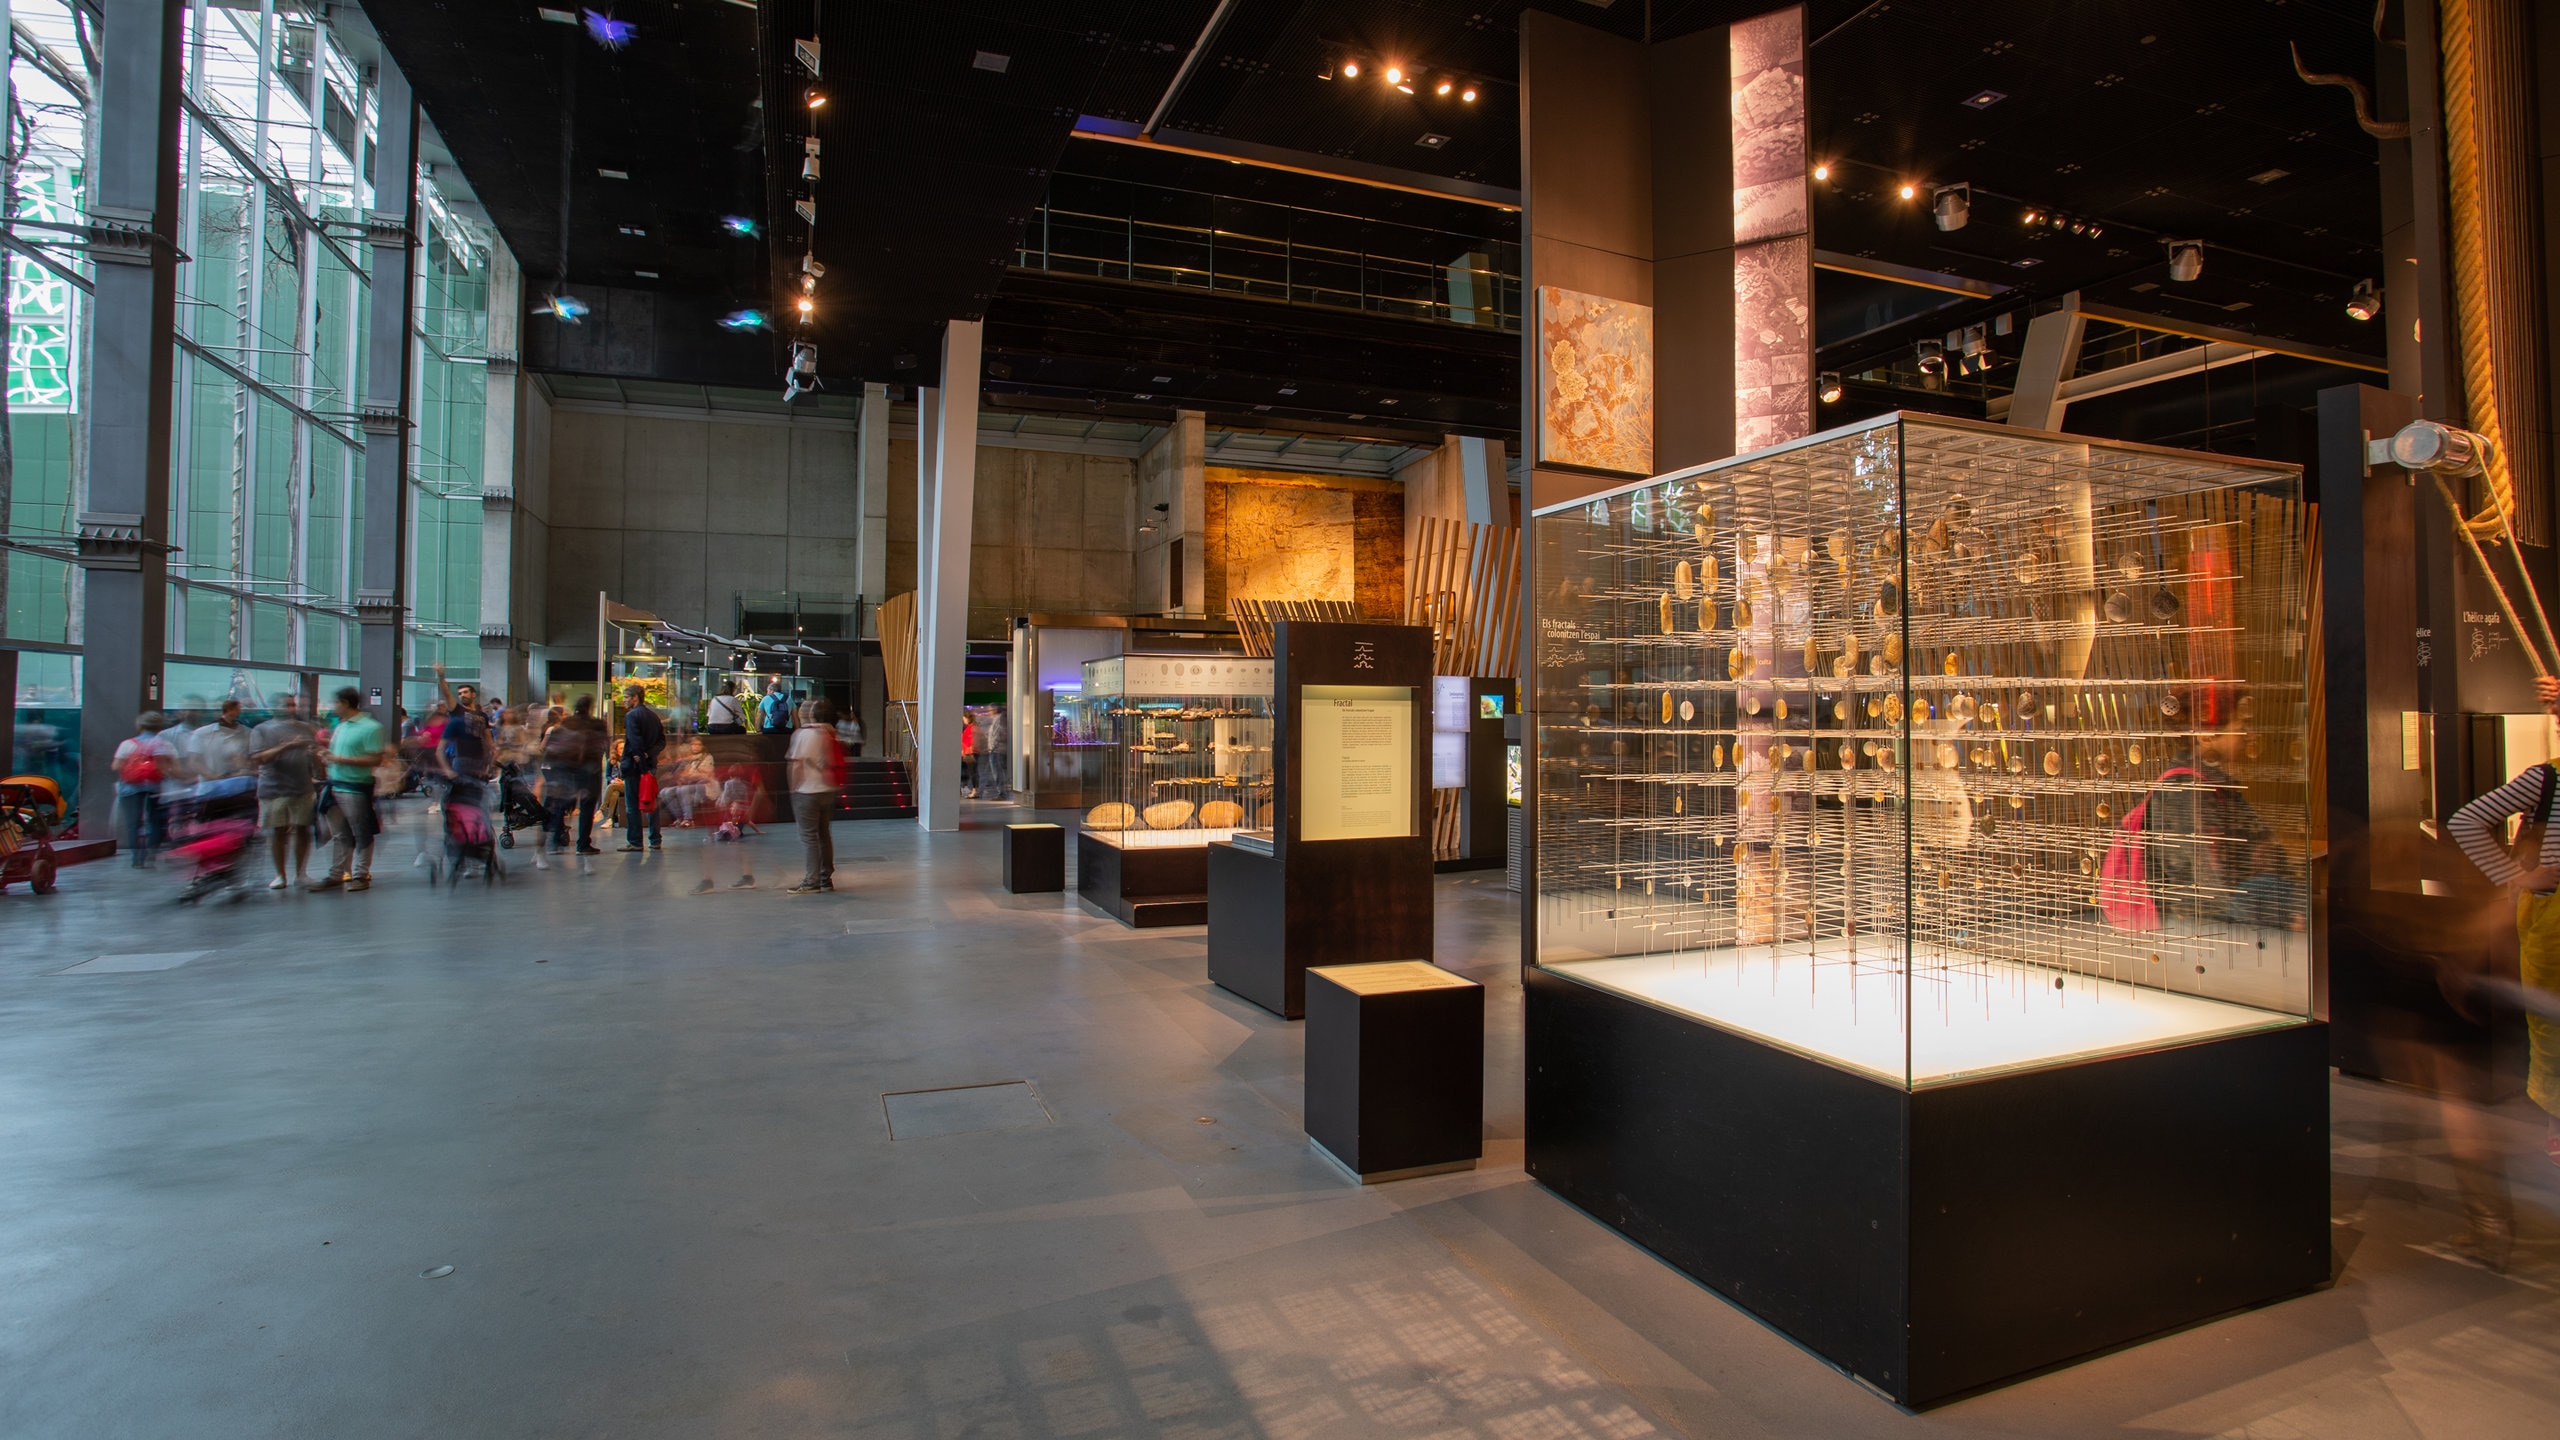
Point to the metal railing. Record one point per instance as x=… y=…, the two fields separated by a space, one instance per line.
x=1472 y=288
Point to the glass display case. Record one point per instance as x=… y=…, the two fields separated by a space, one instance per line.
x=1178 y=747
x=1939 y=790
x=1932 y=750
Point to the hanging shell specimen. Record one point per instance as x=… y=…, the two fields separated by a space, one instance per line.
x=1893 y=650
x=1893 y=709
x=1666 y=707
x=2053 y=762
x=2133 y=754
x=1953 y=665
x=1848 y=756
x=1741 y=612
x=1719 y=755
x=1666 y=614
x=1737 y=663
x=1688 y=712
x=1683 y=583
x=1780 y=708
x=1812 y=654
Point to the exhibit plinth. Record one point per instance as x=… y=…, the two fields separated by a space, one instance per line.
x=1344 y=903
x=1395 y=1069
x=1937 y=1241
x=1144 y=886
x=1035 y=858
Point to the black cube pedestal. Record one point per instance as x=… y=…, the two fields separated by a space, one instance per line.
x=1395 y=1069
x=1035 y=858
x=1939 y=1241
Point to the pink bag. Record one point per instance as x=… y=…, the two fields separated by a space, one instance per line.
x=2124 y=886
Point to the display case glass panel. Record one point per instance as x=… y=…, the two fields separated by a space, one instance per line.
x=1176 y=748
x=1931 y=749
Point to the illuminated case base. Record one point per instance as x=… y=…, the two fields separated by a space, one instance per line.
x=1937 y=1241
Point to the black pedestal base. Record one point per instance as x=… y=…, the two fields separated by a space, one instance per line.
x=1940 y=1241
x=1343 y=902
x=1144 y=886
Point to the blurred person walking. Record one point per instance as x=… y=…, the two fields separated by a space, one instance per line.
x=284 y=748
x=816 y=772
x=357 y=751
x=995 y=777
x=143 y=765
x=2532 y=867
x=570 y=756
x=968 y=755
x=644 y=739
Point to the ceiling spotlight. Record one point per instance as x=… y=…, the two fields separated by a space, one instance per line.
x=1830 y=389
x=1932 y=359
x=2029 y=218
x=1350 y=69
x=1443 y=88
x=1909 y=191
x=1952 y=206
x=642 y=646
x=816 y=97
x=1468 y=94
x=2366 y=302
x=2186 y=259
x=1395 y=74
x=1821 y=172
x=807 y=305
x=808 y=284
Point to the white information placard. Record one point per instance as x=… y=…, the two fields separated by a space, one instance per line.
x=1355 y=762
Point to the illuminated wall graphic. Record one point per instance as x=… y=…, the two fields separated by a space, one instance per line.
x=1595 y=382
x=1772 y=231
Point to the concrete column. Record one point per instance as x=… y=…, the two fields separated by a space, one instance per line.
x=124 y=517
x=1191 y=511
x=1480 y=474
x=2051 y=353
x=502 y=667
x=942 y=640
x=871 y=494
x=928 y=445
x=382 y=586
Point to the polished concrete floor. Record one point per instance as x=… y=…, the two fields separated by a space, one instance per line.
x=648 y=1133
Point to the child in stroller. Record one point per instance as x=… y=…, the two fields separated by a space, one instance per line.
x=517 y=807
x=217 y=836
x=467 y=832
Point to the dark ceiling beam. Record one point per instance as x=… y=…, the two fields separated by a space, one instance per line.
x=1299 y=162
x=1190 y=66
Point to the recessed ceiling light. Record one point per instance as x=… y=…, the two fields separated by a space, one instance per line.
x=1432 y=142
x=989 y=60
x=1261 y=407
x=1387 y=402
x=2027 y=264
x=556 y=17
x=632 y=230
x=1288 y=389
x=1984 y=99
x=2268 y=177
x=613 y=174
x=1358 y=416
x=2147 y=285
x=646 y=274
x=1143 y=395
x=1164 y=379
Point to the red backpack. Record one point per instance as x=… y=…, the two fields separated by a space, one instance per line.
x=2124 y=884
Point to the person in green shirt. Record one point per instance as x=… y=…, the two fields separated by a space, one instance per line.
x=356 y=750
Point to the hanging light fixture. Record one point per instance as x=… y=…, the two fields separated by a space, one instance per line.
x=1830 y=388
x=2186 y=259
x=2366 y=302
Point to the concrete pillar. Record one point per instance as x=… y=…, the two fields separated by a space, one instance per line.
x=1191 y=512
x=1488 y=491
x=942 y=640
x=124 y=518
x=382 y=586
x=871 y=493
x=2051 y=353
x=502 y=666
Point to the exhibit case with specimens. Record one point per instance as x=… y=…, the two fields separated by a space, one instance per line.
x=1177 y=754
x=1903 y=783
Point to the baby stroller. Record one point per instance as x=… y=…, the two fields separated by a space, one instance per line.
x=217 y=836
x=517 y=809
x=30 y=806
x=467 y=835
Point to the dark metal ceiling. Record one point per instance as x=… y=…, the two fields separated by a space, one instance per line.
x=2167 y=118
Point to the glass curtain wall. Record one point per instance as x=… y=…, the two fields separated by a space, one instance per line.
x=266 y=476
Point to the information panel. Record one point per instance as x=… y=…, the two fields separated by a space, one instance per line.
x=1355 y=762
